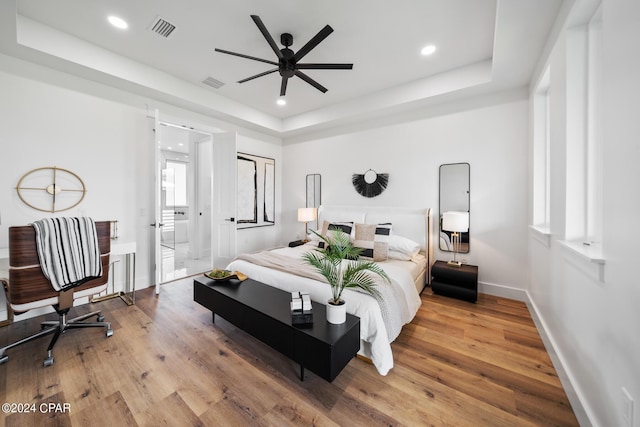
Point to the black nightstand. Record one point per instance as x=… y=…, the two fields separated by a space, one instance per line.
x=296 y=243
x=457 y=282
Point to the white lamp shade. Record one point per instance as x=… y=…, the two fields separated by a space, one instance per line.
x=307 y=214
x=455 y=221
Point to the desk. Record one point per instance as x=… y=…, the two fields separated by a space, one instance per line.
x=128 y=293
x=128 y=249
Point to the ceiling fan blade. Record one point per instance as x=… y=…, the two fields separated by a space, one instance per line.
x=324 y=66
x=258 y=75
x=311 y=81
x=267 y=36
x=283 y=86
x=315 y=40
x=246 y=56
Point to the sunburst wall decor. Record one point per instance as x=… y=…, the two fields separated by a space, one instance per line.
x=370 y=184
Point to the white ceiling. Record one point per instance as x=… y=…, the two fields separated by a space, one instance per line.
x=482 y=45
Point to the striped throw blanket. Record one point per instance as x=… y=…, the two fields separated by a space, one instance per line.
x=68 y=251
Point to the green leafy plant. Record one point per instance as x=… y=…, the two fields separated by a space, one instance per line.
x=340 y=265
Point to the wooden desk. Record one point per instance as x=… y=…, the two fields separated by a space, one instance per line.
x=128 y=293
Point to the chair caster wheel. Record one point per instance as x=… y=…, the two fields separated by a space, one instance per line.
x=4 y=359
x=48 y=361
x=109 y=332
x=100 y=318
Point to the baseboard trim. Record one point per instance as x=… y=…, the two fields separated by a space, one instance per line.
x=581 y=410
x=502 y=291
x=576 y=399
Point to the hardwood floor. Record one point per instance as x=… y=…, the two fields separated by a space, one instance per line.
x=456 y=364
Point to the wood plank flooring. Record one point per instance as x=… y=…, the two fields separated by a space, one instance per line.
x=456 y=364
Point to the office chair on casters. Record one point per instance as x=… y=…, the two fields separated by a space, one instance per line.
x=28 y=288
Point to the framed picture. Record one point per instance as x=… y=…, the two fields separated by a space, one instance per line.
x=256 y=191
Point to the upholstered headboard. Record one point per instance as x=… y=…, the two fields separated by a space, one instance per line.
x=407 y=222
x=412 y=223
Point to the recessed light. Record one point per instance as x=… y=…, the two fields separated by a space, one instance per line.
x=169 y=148
x=281 y=101
x=428 y=50
x=118 y=22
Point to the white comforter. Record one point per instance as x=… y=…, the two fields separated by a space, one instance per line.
x=375 y=339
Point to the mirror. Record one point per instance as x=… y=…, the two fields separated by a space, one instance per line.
x=454 y=198
x=314 y=192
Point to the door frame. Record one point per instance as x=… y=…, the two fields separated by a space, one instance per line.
x=223 y=144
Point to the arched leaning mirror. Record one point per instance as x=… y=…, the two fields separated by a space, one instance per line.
x=314 y=192
x=454 y=207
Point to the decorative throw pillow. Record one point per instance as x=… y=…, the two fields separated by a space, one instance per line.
x=373 y=239
x=328 y=228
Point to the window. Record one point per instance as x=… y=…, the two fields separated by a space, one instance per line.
x=584 y=175
x=583 y=221
x=541 y=154
x=594 y=172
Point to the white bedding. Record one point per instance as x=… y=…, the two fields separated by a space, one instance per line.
x=375 y=339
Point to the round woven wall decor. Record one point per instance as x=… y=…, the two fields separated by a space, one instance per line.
x=370 y=184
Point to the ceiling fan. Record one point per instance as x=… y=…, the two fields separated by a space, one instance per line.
x=288 y=64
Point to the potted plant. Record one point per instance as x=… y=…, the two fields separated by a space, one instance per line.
x=339 y=264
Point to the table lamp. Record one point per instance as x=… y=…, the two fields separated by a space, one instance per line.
x=456 y=223
x=306 y=215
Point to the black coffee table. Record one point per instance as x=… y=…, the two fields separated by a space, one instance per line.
x=264 y=312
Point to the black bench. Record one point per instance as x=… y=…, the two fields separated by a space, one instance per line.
x=264 y=312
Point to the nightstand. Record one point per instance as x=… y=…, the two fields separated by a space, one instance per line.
x=296 y=243
x=457 y=282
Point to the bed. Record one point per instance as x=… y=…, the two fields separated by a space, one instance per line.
x=408 y=264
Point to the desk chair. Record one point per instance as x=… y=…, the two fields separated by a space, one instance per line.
x=28 y=288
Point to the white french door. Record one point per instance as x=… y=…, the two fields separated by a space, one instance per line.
x=157 y=223
x=224 y=196
x=213 y=212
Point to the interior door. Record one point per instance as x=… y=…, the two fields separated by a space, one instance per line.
x=217 y=200
x=223 y=228
x=157 y=224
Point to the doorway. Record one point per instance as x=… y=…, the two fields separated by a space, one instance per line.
x=185 y=232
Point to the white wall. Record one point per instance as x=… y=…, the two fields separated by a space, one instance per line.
x=593 y=324
x=491 y=137
x=104 y=135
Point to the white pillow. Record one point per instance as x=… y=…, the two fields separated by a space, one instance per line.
x=398 y=255
x=403 y=245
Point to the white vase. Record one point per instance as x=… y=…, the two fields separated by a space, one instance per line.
x=337 y=314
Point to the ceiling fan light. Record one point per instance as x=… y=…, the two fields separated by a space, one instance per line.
x=428 y=50
x=118 y=22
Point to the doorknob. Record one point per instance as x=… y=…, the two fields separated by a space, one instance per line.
x=232 y=219
x=154 y=225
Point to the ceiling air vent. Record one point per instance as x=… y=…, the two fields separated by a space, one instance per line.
x=162 y=27
x=214 y=83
